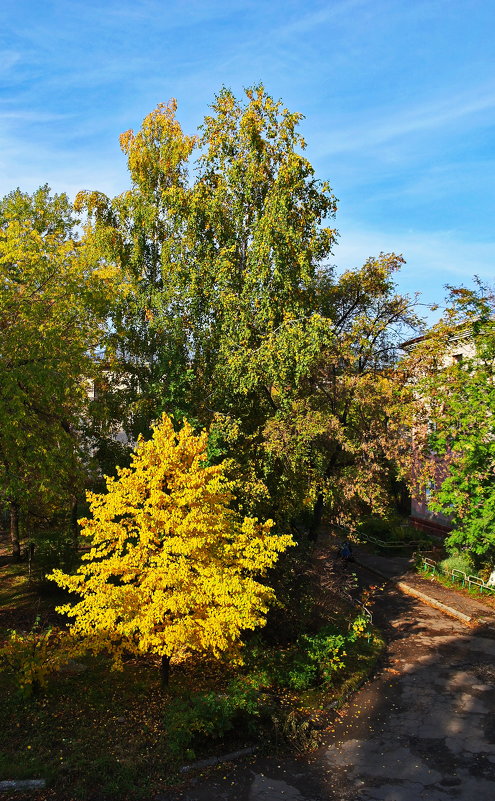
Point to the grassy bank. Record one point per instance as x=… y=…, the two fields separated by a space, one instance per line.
x=97 y=733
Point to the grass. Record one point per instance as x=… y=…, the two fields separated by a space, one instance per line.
x=96 y=732
x=99 y=734
x=15 y=591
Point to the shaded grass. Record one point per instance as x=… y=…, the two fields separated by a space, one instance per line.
x=95 y=732
x=15 y=591
x=99 y=734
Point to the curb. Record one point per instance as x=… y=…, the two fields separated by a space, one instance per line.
x=448 y=610
x=207 y=763
x=22 y=785
x=427 y=599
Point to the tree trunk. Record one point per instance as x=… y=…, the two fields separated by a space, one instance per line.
x=74 y=525
x=317 y=516
x=165 y=670
x=14 y=531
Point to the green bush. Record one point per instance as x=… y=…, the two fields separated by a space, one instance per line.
x=377 y=527
x=459 y=561
x=392 y=530
x=313 y=660
x=317 y=658
x=210 y=715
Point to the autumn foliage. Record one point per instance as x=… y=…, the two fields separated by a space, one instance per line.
x=172 y=569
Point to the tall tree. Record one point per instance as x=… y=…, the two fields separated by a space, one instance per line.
x=216 y=264
x=449 y=402
x=333 y=383
x=141 y=231
x=53 y=302
x=233 y=317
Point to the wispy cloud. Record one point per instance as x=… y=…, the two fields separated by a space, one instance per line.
x=381 y=126
x=433 y=259
x=308 y=22
x=399 y=104
x=22 y=116
x=8 y=60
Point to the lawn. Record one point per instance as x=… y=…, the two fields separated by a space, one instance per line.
x=94 y=733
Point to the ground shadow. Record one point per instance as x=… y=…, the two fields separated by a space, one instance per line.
x=421 y=729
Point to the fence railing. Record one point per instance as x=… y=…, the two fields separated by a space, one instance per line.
x=394 y=543
x=430 y=566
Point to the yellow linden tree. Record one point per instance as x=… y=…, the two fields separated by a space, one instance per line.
x=172 y=569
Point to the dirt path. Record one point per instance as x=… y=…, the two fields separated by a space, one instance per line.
x=422 y=729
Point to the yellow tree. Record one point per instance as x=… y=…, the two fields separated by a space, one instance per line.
x=172 y=569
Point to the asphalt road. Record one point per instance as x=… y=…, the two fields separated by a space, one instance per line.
x=422 y=729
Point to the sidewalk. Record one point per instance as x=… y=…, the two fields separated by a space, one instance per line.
x=400 y=570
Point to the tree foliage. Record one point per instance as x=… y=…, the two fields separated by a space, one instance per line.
x=172 y=569
x=218 y=263
x=233 y=317
x=450 y=403
x=53 y=301
x=330 y=423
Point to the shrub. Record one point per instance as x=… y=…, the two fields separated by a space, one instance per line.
x=318 y=657
x=459 y=561
x=391 y=530
x=33 y=656
x=210 y=715
x=299 y=732
x=314 y=659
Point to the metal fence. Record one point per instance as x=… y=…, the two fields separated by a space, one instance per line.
x=430 y=566
x=394 y=543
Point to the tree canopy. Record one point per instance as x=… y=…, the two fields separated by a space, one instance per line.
x=54 y=297
x=171 y=569
x=449 y=402
x=235 y=319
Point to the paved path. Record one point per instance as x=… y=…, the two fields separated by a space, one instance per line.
x=423 y=729
x=402 y=570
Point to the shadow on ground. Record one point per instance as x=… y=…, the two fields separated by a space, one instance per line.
x=421 y=730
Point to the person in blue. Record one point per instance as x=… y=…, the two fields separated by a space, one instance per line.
x=346 y=551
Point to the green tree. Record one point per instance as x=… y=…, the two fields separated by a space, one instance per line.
x=333 y=388
x=450 y=402
x=215 y=264
x=53 y=302
x=141 y=231
x=233 y=318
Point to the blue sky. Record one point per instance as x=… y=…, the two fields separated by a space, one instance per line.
x=398 y=98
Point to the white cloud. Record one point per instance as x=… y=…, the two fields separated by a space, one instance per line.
x=22 y=115
x=433 y=259
x=383 y=127
x=8 y=60
x=316 y=19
